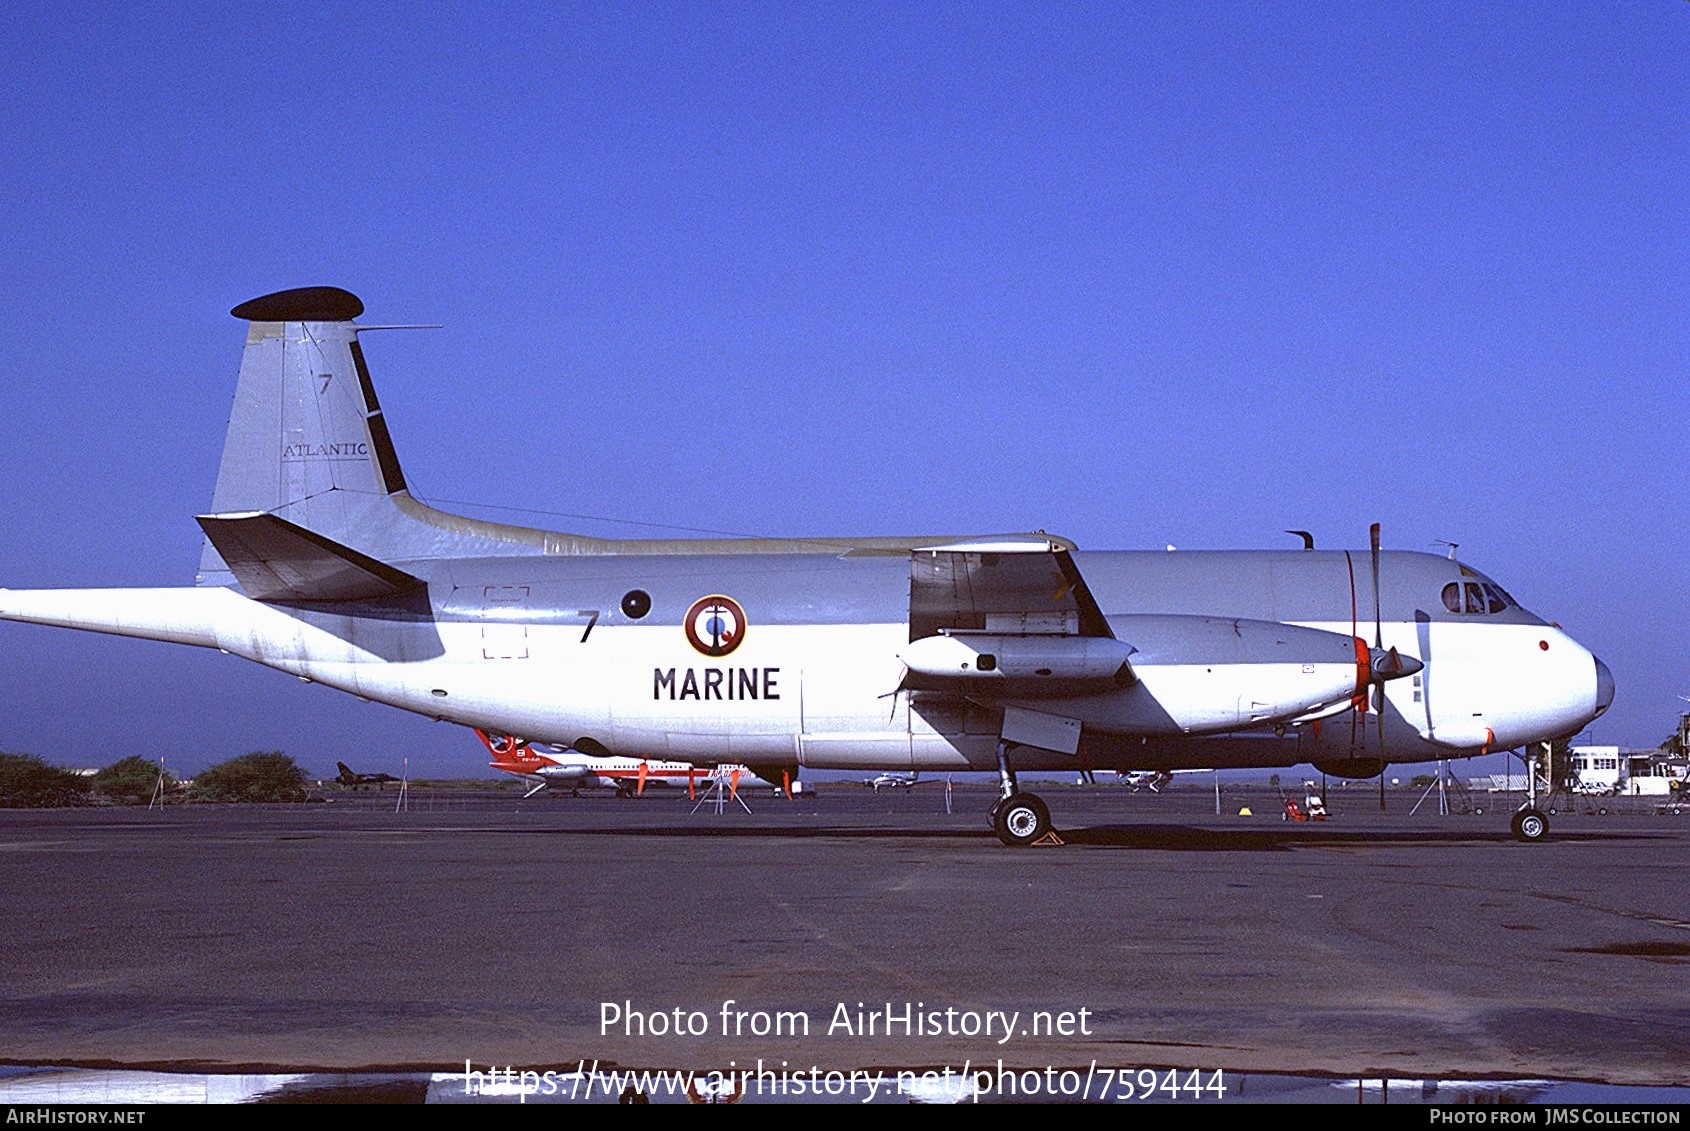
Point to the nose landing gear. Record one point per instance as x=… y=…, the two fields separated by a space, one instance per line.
x=1530 y=826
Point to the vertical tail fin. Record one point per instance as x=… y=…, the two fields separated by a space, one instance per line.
x=306 y=441
x=308 y=445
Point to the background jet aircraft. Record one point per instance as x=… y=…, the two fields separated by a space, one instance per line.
x=893 y=781
x=1005 y=652
x=1154 y=780
x=350 y=777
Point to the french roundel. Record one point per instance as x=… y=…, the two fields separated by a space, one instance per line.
x=715 y=625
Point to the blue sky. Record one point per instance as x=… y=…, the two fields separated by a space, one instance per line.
x=1181 y=274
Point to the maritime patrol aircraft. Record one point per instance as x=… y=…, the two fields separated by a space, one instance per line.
x=944 y=653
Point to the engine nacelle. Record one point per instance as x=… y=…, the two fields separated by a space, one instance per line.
x=1031 y=665
x=566 y=775
x=1351 y=767
x=776 y=776
x=1211 y=675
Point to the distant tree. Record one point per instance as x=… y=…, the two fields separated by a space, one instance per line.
x=1421 y=781
x=263 y=775
x=1273 y=781
x=26 y=782
x=130 y=781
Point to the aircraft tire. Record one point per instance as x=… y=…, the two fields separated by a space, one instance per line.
x=1021 y=819
x=1530 y=826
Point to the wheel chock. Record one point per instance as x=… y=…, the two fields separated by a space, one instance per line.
x=1050 y=839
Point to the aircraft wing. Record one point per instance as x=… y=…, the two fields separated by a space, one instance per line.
x=1011 y=588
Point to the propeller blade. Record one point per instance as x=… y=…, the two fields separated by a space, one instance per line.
x=1358 y=702
x=1393 y=665
x=1378 y=626
x=1379 y=647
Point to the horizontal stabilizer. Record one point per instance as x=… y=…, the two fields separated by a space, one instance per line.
x=274 y=560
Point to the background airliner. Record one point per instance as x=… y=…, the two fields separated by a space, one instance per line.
x=573 y=771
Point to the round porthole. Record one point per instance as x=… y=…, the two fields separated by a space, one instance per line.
x=636 y=603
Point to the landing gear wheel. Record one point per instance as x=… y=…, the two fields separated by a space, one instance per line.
x=1020 y=818
x=1530 y=826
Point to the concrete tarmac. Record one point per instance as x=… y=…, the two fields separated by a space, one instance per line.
x=482 y=928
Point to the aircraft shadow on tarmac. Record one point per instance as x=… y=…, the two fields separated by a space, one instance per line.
x=1189 y=838
x=1177 y=838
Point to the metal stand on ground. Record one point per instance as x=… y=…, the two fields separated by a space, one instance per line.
x=404 y=802
x=1217 y=777
x=157 y=801
x=718 y=795
x=1443 y=797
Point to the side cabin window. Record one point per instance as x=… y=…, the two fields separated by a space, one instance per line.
x=1473 y=598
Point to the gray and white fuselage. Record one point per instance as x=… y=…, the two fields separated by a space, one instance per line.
x=817 y=679
x=829 y=653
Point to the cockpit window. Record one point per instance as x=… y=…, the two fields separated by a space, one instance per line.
x=1473 y=598
x=1499 y=598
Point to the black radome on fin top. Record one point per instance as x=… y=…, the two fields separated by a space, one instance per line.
x=302 y=304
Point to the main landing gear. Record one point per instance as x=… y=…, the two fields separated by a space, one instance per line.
x=1018 y=818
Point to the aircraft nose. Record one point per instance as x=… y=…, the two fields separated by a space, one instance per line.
x=1604 y=687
